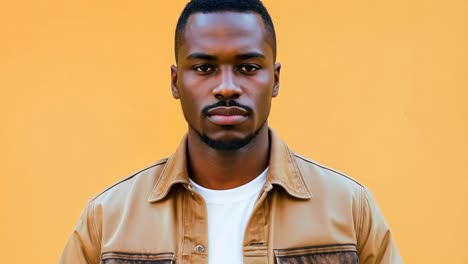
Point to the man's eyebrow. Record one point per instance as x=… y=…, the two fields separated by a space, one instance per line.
x=243 y=56
x=250 y=55
x=200 y=56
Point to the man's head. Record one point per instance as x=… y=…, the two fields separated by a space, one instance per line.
x=212 y=6
x=226 y=74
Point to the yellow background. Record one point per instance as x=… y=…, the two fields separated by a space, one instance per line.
x=377 y=89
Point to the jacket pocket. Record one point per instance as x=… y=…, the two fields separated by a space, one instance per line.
x=330 y=254
x=136 y=258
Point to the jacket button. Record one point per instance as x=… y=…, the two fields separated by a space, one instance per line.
x=199 y=249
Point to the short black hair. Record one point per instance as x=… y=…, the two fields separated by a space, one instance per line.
x=212 y=6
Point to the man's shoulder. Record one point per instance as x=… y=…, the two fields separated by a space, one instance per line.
x=141 y=182
x=323 y=179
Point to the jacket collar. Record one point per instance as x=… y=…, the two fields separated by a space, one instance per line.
x=284 y=171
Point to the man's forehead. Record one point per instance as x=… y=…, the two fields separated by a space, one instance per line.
x=226 y=20
x=206 y=29
x=233 y=16
x=212 y=32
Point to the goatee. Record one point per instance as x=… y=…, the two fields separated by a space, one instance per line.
x=229 y=145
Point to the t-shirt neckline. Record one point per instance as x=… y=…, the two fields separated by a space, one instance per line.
x=232 y=195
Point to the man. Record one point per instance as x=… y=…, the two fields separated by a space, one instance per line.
x=233 y=192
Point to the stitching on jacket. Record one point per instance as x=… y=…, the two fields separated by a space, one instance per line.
x=160 y=162
x=93 y=217
x=327 y=168
x=139 y=257
x=304 y=186
x=360 y=218
x=332 y=248
x=163 y=172
x=183 y=215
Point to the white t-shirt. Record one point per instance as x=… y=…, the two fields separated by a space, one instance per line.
x=228 y=213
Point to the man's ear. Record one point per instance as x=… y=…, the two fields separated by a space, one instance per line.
x=174 y=89
x=277 y=79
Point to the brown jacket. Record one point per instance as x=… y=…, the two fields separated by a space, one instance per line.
x=306 y=213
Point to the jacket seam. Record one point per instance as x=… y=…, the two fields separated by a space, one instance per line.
x=361 y=217
x=93 y=218
x=121 y=255
x=183 y=215
x=327 y=168
x=304 y=187
x=163 y=161
x=319 y=247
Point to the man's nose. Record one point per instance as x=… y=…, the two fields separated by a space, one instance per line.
x=228 y=87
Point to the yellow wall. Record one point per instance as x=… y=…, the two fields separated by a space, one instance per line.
x=377 y=89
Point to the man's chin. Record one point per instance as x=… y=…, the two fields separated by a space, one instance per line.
x=229 y=141
x=226 y=145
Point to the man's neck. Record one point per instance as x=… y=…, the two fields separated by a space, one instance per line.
x=220 y=169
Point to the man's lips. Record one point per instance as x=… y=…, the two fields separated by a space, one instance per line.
x=227 y=111
x=227 y=115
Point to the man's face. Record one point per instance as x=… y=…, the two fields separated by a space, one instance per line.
x=225 y=77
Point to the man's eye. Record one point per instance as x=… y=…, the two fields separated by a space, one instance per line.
x=204 y=68
x=248 y=68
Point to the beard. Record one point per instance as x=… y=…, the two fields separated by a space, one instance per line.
x=228 y=145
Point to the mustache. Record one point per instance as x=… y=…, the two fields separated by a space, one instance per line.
x=226 y=103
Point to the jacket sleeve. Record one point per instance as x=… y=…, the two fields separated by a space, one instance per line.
x=375 y=242
x=83 y=246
